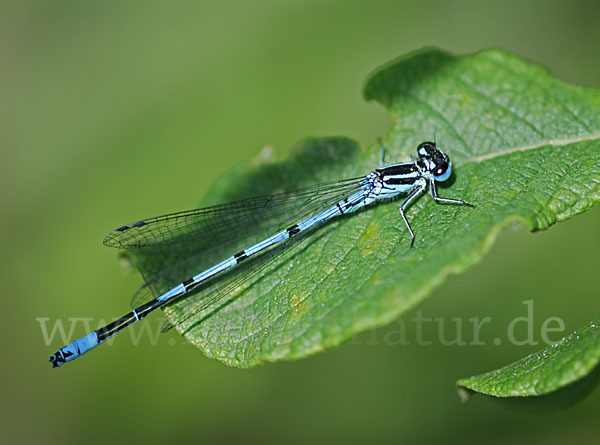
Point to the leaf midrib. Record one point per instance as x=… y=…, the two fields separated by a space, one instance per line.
x=550 y=142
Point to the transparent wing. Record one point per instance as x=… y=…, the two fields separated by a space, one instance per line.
x=172 y=248
x=178 y=229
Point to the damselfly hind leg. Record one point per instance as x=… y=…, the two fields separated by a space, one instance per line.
x=416 y=192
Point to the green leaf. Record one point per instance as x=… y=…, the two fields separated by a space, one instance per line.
x=566 y=371
x=525 y=148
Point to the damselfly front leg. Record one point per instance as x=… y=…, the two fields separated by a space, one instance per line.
x=438 y=199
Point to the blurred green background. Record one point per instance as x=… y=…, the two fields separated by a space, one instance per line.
x=112 y=111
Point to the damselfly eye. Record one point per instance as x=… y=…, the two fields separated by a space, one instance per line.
x=426 y=150
x=442 y=171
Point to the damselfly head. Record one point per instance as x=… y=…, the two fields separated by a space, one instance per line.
x=435 y=160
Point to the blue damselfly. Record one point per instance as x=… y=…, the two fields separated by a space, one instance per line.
x=280 y=220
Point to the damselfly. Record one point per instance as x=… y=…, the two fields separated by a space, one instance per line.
x=286 y=217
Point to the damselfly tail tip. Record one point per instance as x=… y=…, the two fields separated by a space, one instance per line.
x=56 y=360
